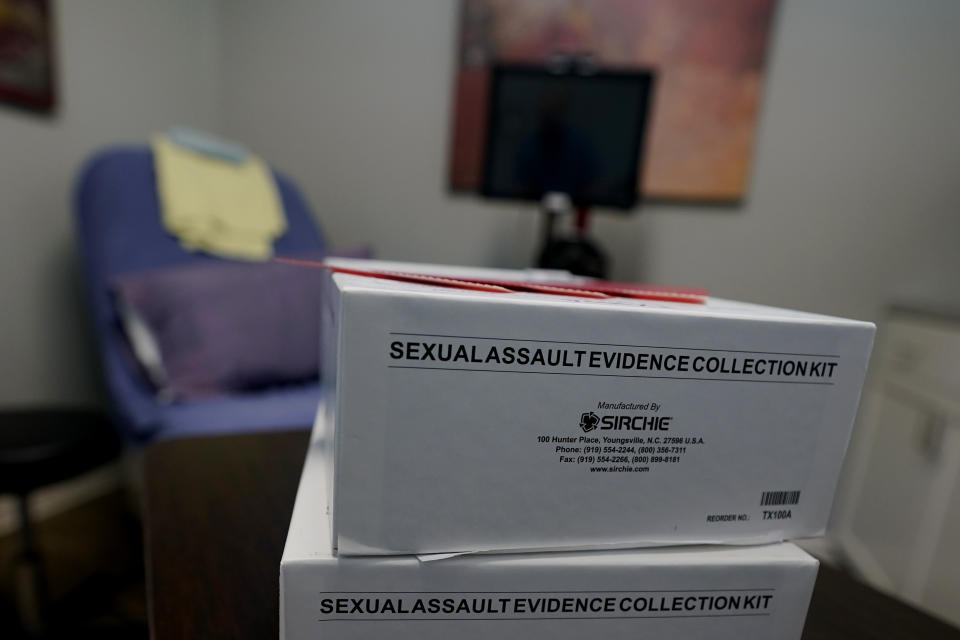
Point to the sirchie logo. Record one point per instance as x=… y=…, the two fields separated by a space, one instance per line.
x=589 y=421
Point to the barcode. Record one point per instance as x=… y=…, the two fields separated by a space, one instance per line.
x=779 y=497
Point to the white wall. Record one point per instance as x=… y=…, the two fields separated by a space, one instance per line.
x=853 y=195
x=125 y=69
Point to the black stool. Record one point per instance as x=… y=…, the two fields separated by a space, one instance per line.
x=39 y=447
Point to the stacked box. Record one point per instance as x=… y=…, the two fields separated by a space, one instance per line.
x=466 y=421
x=482 y=418
x=721 y=592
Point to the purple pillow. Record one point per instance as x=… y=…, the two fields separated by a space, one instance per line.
x=211 y=329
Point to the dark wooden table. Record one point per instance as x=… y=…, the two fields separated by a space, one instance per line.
x=216 y=515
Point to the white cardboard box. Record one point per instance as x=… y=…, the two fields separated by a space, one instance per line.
x=473 y=421
x=721 y=593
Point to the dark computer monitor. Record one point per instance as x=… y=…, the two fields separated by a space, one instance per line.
x=574 y=133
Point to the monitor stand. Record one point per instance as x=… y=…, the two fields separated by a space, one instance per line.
x=577 y=253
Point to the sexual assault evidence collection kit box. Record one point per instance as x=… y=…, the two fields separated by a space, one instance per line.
x=721 y=593
x=467 y=421
x=464 y=421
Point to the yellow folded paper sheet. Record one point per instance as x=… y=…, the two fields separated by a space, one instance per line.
x=213 y=205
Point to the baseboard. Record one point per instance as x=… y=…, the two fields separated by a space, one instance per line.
x=62 y=496
x=823 y=549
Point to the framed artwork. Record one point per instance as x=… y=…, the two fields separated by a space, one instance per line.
x=26 y=55
x=708 y=56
